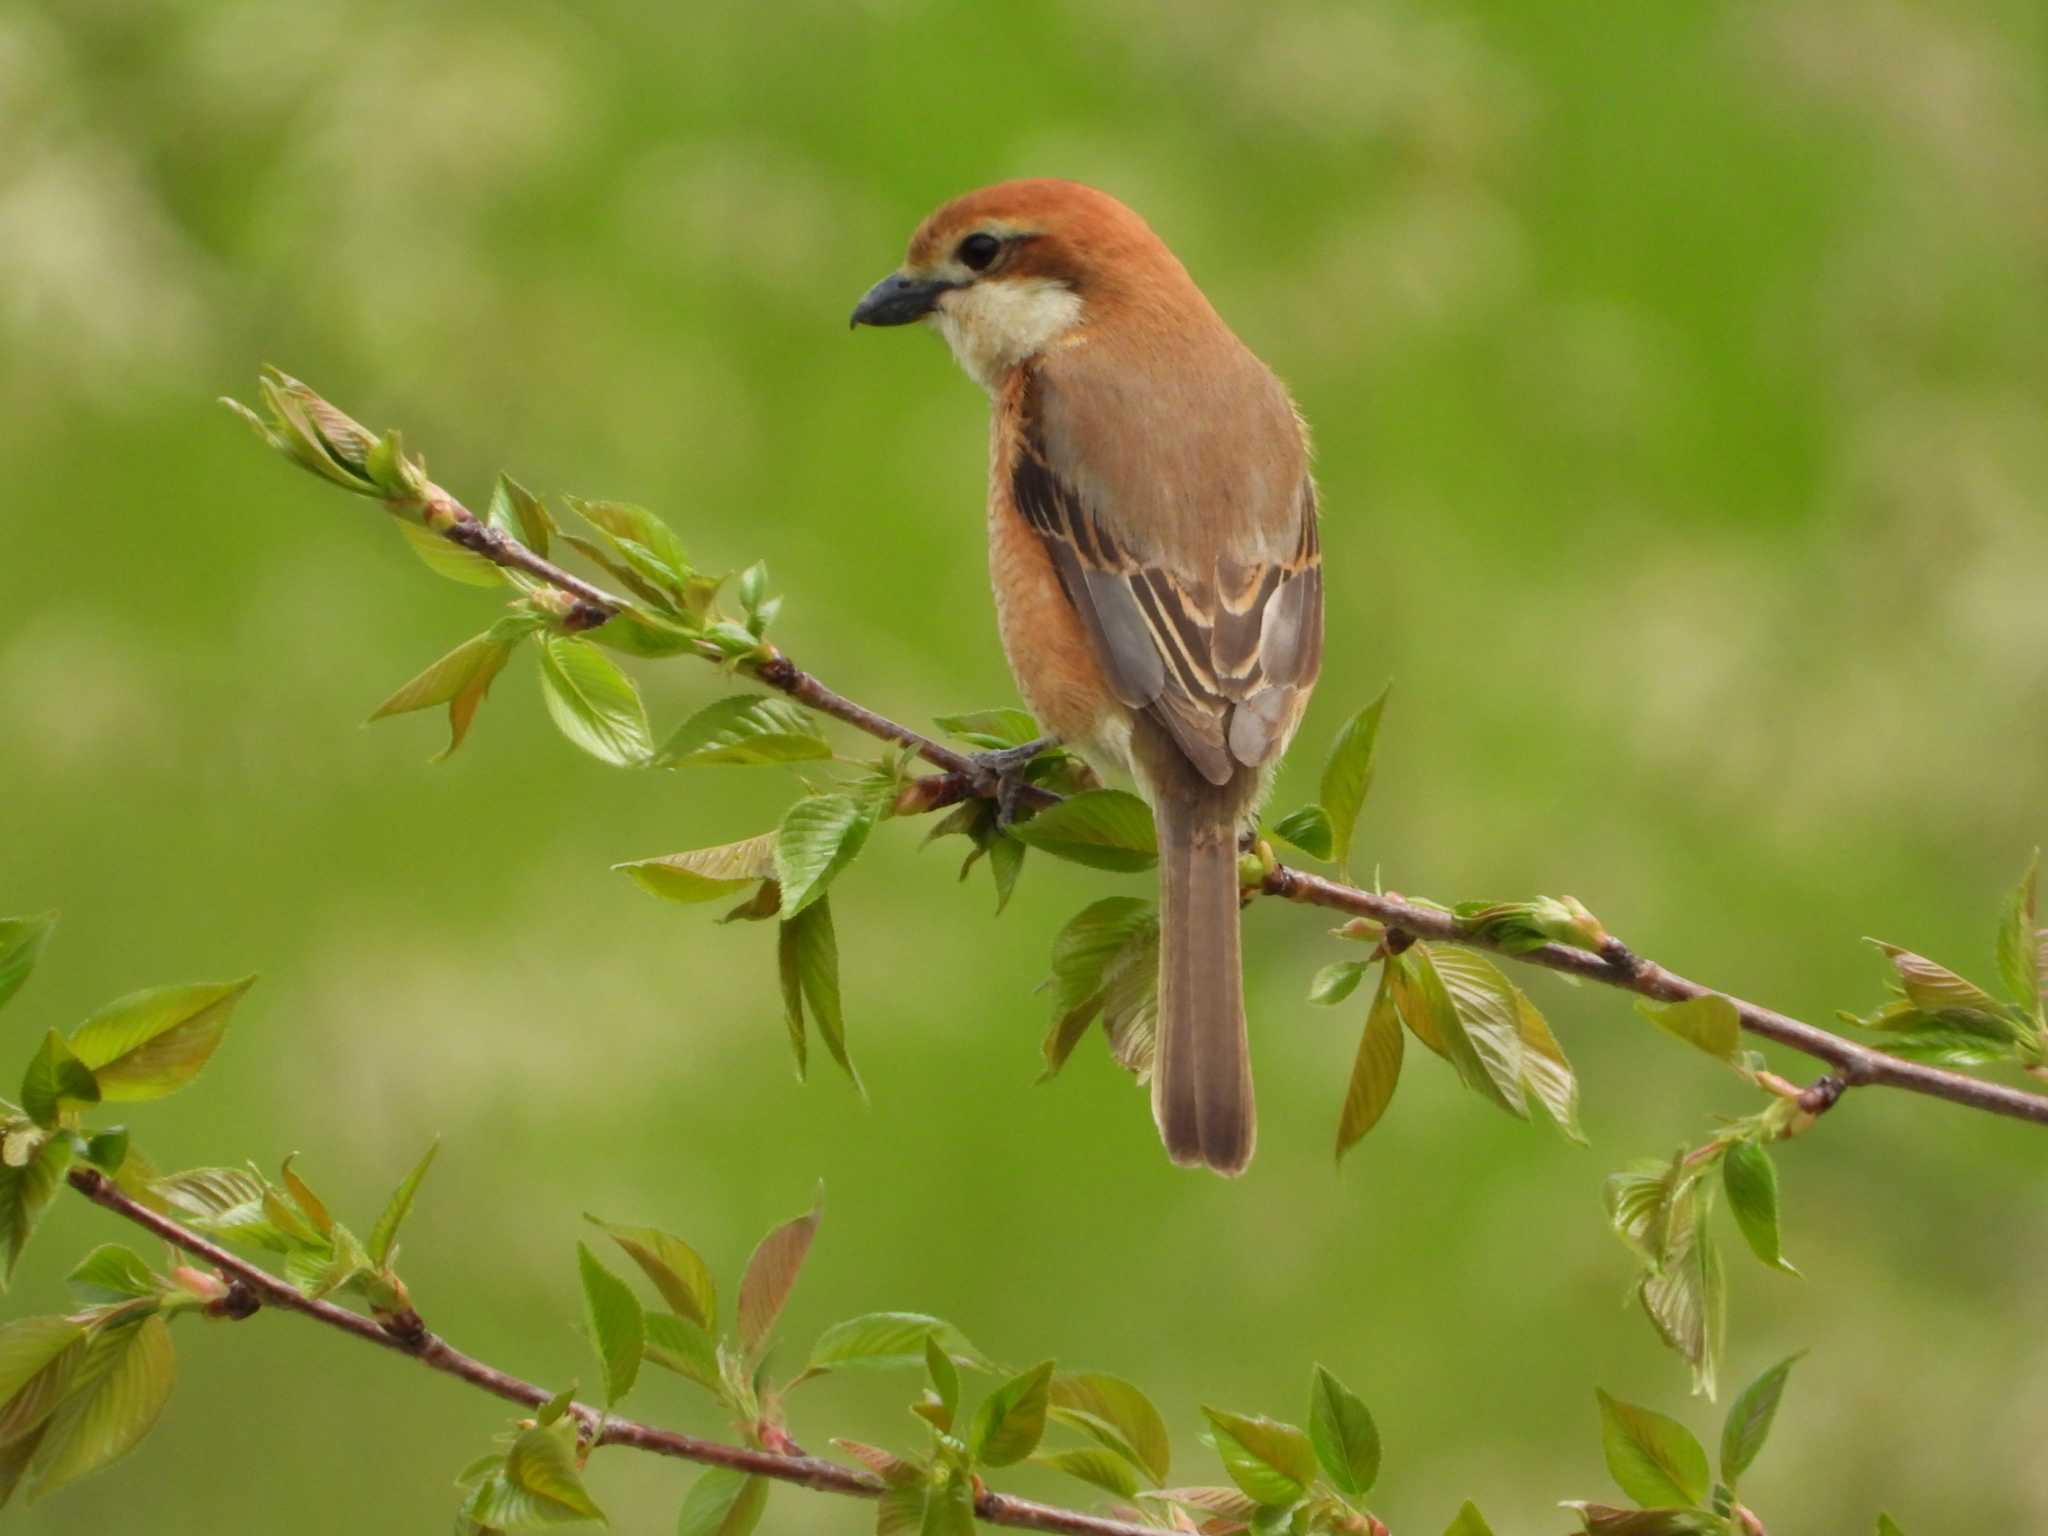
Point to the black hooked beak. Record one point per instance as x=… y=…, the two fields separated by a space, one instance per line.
x=898 y=300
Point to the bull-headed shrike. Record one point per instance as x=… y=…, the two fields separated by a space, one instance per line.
x=1158 y=582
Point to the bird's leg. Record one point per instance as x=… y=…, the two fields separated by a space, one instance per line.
x=1000 y=774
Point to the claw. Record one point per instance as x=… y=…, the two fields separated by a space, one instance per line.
x=1001 y=775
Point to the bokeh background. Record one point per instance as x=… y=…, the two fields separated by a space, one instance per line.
x=1679 y=376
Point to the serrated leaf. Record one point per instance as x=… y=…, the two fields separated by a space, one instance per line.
x=223 y=1202
x=1102 y=828
x=1093 y=1464
x=460 y=680
x=723 y=1502
x=1749 y=1420
x=1309 y=830
x=771 y=1275
x=618 y=1327
x=949 y=1508
x=1375 y=1071
x=539 y=1485
x=384 y=1235
x=593 y=703
x=1686 y=1300
x=1274 y=1463
x=810 y=957
x=900 y=1511
x=643 y=540
x=1124 y=1408
x=1653 y=1459
x=944 y=1405
x=1346 y=1440
x=152 y=1043
x=706 y=874
x=678 y=1344
x=1751 y=1180
x=38 y=1357
x=113 y=1274
x=1337 y=981
x=748 y=728
x=111 y=1402
x=896 y=1471
x=1469 y=1522
x=672 y=1265
x=882 y=1341
x=25 y=1193
x=323 y=1267
x=1708 y=1022
x=990 y=729
x=820 y=835
x=56 y=1082
x=1347 y=776
x=1482 y=1030
x=449 y=560
x=1105 y=964
x=21 y=945
x=1547 y=1076
x=519 y=514
x=2017 y=960
x=1225 y=1503
x=1011 y=1420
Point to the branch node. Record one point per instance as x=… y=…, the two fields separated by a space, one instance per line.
x=1825 y=1092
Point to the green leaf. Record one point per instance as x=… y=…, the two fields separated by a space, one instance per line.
x=771 y=1275
x=1749 y=1420
x=1474 y=1012
x=1227 y=1503
x=460 y=680
x=593 y=703
x=2017 y=959
x=789 y=974
x=1685 y=1295
x=1005 y=864
x=56 y=1082
x=1605 y=1520
x=678 y=1344
x=820 y=835
x=1093 y=1464
x=153 y=1043
x=448 y=559
x=1518 y=927
x=1105 y=962
x=809 y=953
x=38 y=1358
x=1653 y=1459
x=748 y=728
x=1547 y=1076
x=1011 y=1420
x=1340 y=1428
x=881 y=1341
x=949 y=1508
x=1124 y=1409
x=112 y=1401
x=1347 y=776
x=1309 y=830
x=723 y=1502
x=644 y=541
x=1751 y=1179
x=108 y=1150
x=1273 y=1463
x=706 y=874
x=1102 y=828
x=1887 y=1526
x=1709 y=1022
x=900 y=1511
x=112 y=1274
x=618 y=1327
x=990 y=729
x=324 y=1267
x=1946 y=1018
x=21 y=945
x=1469 y=1522
x=538 y=1486
x=892 y=1469
x=519 y=514
x=26 y=1191
x=224 y=1202
x=1375 y=1071
x=384 y=1235
x=945 y=1379
x=1337 y=981
x=682 y=1278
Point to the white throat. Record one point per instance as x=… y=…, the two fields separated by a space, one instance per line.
x=994 y=326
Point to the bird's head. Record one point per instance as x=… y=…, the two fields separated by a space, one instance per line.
x=1010 y=271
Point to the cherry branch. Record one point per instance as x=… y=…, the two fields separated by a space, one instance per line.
x=252 y=1287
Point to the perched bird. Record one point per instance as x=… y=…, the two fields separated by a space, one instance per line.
x=1158 y=582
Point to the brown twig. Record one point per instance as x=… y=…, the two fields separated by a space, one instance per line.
x=600 y=1428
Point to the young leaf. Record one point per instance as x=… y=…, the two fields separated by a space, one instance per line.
x=949 y=1507
x=647 y=543
x=450 y=560
x=706 y=874
x=810 y=956
x=1273 y=1463
x=1686 y=1296
x=38 y=1358
x=593 y=703
x=26 y=1191
x=538 y=1485
x=1887 y=1526
x=1375 y=1071
x=1337 y=981
x=1340 y=1428
x=789 y=973
x=519 y=514
x=1113 y=1403
x=153 y=1043
x=1482 y=1033
x=1092 y=1464
x=618 y=1327
x=56 y=1082
x=1011 y=1420
x=21 y=944
x=1547 y=1076
x=1347 y=776
x=384 y=1235
x=1709 y=1022
x=887 y=1465
x=1749 y=1420
x=460 y=680
x=2017 y=960
x=1005 y=864
x=1469 y=1522
x=723 y=1502
x=1309 y=830
x=1605 y=1520
x=1751 y=1179
x=1229 y=1504
x=678 y=1344
x=1102 y=828
x=820 y=835
x=945 y=1378
x=771 y=1275
x=881 y=1341
x=748 y=728
x=112 y=1274
x=112 y=1401
x=991 y=729
x=1653 y=1459
x=683 y=1279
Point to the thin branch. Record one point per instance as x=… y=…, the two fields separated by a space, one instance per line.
x=1615 y=965
x=411 y=1338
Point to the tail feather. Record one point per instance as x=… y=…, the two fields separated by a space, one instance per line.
x=1202 y=1070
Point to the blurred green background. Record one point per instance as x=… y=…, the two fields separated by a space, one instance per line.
x=1678 y=375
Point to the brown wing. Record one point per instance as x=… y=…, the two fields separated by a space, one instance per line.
x=1220 y=657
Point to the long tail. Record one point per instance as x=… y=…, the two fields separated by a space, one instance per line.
x=1202 y=1072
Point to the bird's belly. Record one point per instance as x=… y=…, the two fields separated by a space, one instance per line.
x=1048 y=651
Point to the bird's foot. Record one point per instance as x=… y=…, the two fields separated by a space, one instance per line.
x=1000 y=775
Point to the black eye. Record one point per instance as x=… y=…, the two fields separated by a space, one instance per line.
x=977 y=251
